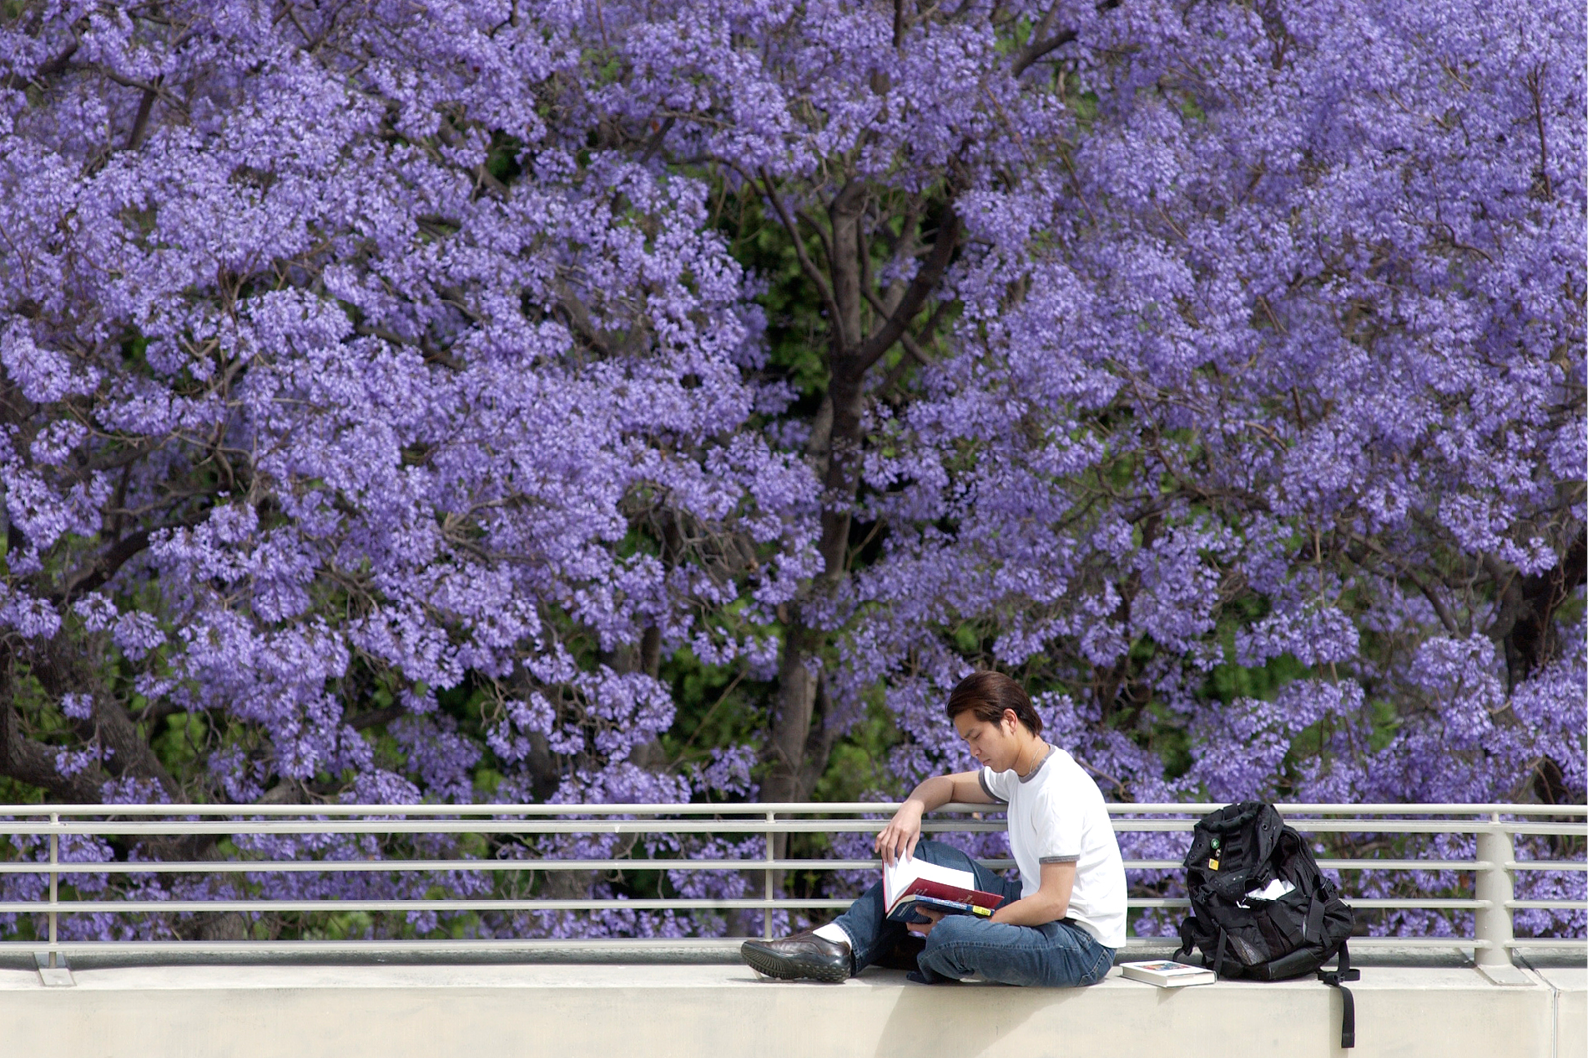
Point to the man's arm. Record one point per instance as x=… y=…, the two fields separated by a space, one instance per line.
x=1049 y=903
x=899 y=837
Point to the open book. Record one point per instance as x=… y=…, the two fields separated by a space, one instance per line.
x=912 y=883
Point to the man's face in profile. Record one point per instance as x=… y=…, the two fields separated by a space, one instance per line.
x=997 y=745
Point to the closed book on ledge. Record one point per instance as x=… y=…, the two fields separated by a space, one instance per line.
x=911 y=883
x=1167 y=974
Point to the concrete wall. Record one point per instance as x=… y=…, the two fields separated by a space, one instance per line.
x=574 y=1011
x=1571 y=1010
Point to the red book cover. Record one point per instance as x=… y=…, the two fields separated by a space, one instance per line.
x=944 y=888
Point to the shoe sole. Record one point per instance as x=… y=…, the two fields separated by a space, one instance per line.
x=785 y=968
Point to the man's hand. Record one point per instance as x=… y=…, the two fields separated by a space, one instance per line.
x=903 y=831
x=924 y=928
x=898 y=839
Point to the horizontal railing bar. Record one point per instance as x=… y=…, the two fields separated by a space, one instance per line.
x=486 y=809
x=75 y=907
x=494 y=826
x=1543 y=829
x=746 y=808
x=453 y=866
x=82 y=907
x=613 y=944
x=1405 y=865
x=1357 y=943
x=725 y=826
x=1442 y=826
x=1117 y=807
x=1372 y=943
x=1410 y=903
x=373 y=947
x=1391 y=865
x=1549 y=905
x=449 y=866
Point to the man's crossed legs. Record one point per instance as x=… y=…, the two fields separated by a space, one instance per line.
x=1056 y=954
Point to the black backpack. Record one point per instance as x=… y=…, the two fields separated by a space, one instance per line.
x=1244 y=848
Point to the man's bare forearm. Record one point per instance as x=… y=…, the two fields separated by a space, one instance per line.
x=1037 y=909
x=940 y=790
x=1049 y=903
x=899 y=837
x=933 y=793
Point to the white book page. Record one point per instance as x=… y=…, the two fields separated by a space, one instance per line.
x=897 y=878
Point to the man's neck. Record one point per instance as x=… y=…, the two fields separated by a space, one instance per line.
x=1030 y=756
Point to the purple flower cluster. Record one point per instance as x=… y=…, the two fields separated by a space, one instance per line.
x=1217 y=370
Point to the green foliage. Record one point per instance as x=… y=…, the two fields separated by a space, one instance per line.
x=796 y=330
x=855 y=769
x=716 y=706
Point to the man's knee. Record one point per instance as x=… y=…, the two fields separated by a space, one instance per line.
x=952 y=929
x=947 y=952
x=943 y=854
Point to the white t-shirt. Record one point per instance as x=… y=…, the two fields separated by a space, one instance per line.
x=1057 y=815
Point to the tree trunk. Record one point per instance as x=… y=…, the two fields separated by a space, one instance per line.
x=1526 y=625
x=802 y=737
x=800 y=740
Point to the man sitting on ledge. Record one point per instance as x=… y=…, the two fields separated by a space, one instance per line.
x=1058 y=926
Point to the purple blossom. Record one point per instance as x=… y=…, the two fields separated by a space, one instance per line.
x=385 y=414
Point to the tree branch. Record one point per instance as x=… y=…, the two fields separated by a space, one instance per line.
x=826 y=241
x=656 y=139
x=1037 y=49
x=16 y=81
x=1534 y=82
x=1041 y=44
x=119 y=554
x=33 y=763
x=806 y=264
x=920 y=288
x=1441 y=611
x=140 y=124
x=911 y=346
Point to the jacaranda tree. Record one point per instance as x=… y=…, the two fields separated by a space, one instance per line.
x=439 y=400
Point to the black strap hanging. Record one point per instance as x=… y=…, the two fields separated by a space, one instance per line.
x=1343 y=972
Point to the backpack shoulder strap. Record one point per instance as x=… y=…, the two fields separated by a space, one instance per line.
x=1186 y=942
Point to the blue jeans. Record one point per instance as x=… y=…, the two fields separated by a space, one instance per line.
x=1056 y=954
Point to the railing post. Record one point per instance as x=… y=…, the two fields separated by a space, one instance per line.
x=55 y=861
x=766 y=916
x=1493 y=923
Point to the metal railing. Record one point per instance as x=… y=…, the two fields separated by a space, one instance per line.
x=1493 y=870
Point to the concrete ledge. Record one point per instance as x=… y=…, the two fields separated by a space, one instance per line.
x=1570 y=987
x=572 y=1011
